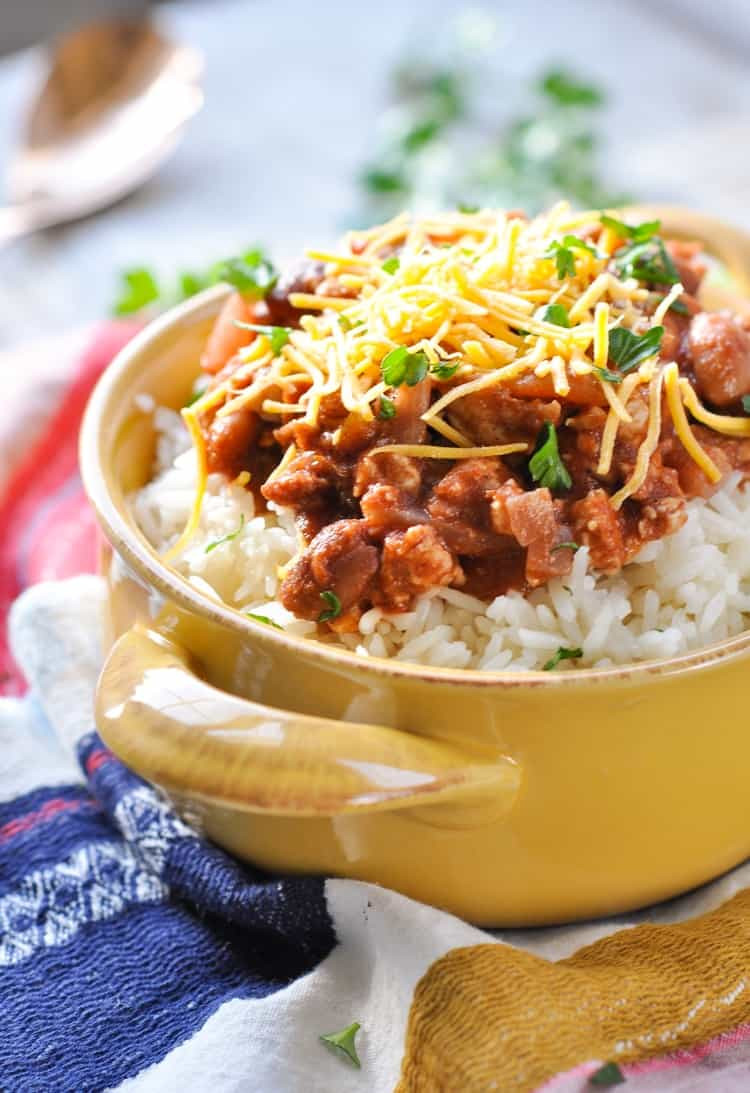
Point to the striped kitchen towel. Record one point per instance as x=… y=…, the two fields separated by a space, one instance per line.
x=135 y=956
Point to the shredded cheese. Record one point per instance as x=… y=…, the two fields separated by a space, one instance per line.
x=674 y=294
x=682 y=426
x=728 y=426
x=434 y=451
x=612 y=424
x=601 y=335
x=190 y=418
x=648 y=446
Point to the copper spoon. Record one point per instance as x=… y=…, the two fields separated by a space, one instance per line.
x=112 y=108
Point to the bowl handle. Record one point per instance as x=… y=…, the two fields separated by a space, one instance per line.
x=189 y=737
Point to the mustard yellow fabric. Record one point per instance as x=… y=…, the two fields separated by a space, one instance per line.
x=492 y=1017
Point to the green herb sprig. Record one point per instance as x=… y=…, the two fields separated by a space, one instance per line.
x=562 y=654
x=264 y=619
x=333 y=610
x=342 y=1043
x=563 y=253
x=139 y=289
x=607 y=1075
x=387 y=408
x=545 y=465
x=277 y=336
x=226 y=538
x=647 y=261
x=251 y=272
x=628 y=350
x=557 y=314
x=636 y=233
x=402 y=366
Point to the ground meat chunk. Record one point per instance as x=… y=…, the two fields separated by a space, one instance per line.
x=228 y=442
x=599 y=527
x=385 y=507
x=536 y=522
x=412 y=562
x=460 y=505
x=495 y=417
x=392 y=467
x=340 y=559
x=584 y=390
x=343 y=559
x=655 y=519
x=720 y=353
x=310 y=480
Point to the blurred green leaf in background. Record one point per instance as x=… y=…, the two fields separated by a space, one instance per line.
x=441 y=147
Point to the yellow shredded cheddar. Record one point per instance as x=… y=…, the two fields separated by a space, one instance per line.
x=682 y=425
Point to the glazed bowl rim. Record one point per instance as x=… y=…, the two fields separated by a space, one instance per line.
x=133 y=546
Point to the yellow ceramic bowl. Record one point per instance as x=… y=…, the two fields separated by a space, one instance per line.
x=506 y=798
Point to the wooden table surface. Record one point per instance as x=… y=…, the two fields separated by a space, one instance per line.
x=291 y=101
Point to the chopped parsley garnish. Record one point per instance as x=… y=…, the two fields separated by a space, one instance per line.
x=226 y=538
x=557 y=314
x=608 y=375
x=191 y=283
x=139 y=289
x=637 y=233
x=349 y=324
x=443 y=371
x=250 y=273
x=343 y=1042
x=562 y=252
x=379 y=181
x=333 y=610
x=562 y=654
x=278 y=336
x=387 y=408
x=567 y=90
x=680 y=307
x=545 y=466
x=463 y=207
x=391 y=264
x=646 y=261
x=264 y=619
x=627 y=349
x=420 y=134
x=567 y=545
x=402 y=366
x=607 y=1075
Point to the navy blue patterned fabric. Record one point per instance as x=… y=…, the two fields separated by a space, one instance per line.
x=121 y=931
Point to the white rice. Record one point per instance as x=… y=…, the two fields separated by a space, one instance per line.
x=682 y=592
